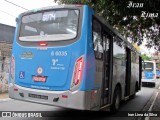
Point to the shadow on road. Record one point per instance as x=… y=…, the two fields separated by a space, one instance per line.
x=149 y=85
x=80 y=114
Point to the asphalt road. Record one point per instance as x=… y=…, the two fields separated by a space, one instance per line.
x=136 y=104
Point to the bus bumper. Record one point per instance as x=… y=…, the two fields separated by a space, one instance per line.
x=148 y=82
x=67 y=99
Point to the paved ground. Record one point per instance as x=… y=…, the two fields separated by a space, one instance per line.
x=156 y=106
x=154 y=102
x=3 y=96
x=141 y=99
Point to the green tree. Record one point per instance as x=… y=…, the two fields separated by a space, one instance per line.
x=158 y=65
x=145 y=57
x=134 y=19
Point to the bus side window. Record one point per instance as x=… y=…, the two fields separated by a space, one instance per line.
x=119 y=52
x=97 y=39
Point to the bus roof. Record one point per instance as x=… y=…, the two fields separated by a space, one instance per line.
x=52 y=7
x=150 y=61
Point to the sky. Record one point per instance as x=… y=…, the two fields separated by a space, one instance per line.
x=9 y=12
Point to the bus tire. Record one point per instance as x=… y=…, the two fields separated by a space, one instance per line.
x=116 y=100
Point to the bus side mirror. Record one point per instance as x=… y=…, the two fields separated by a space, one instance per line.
x=16 y=20
x=143 y=66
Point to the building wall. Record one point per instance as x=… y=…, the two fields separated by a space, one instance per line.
x=4 y=73
x=156 y=57
x=5 y=53
x=6 y=39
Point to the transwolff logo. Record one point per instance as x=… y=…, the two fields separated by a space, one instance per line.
x=26 y=55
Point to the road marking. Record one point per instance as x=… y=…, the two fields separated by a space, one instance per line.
x=5 y=100
x=147 y=118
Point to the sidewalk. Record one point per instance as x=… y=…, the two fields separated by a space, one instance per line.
x=156 y=106
x=3 y=96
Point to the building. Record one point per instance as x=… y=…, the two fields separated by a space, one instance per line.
x=6 y=40
x=156 y=57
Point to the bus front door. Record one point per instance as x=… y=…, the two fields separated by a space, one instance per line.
x=105 y=96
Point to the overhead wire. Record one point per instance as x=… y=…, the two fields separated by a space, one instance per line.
x=7 y=13
x=15 y=4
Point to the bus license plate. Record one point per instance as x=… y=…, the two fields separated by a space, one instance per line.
x=39 y=78
x=38 y=96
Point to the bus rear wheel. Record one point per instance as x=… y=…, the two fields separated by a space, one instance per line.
x=116 y=100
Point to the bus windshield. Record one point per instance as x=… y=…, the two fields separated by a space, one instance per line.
x=148 y=66
x=52 y=25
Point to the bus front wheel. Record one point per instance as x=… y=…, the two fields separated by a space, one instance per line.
x=116 y=100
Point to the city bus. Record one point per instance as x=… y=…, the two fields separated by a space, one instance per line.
x=149 y=73
x=70 y=57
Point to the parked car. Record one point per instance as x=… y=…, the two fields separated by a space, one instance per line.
x=157 y=73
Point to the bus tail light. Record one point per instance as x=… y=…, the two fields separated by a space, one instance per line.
x=77 y=73
x=64 y=96
x=15 y=89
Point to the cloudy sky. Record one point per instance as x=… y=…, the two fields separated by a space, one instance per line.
x=9 y=12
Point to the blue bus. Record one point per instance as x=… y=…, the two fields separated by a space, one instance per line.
x=149 y=73
x=70 y=57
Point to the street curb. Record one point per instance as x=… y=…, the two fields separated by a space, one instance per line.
x=5 y=100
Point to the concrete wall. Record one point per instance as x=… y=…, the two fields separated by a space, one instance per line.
x=6 y=39
x=4 y=74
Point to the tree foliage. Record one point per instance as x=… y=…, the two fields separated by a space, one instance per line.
x=158 y=66
x=135 y=20
x=145 y=57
